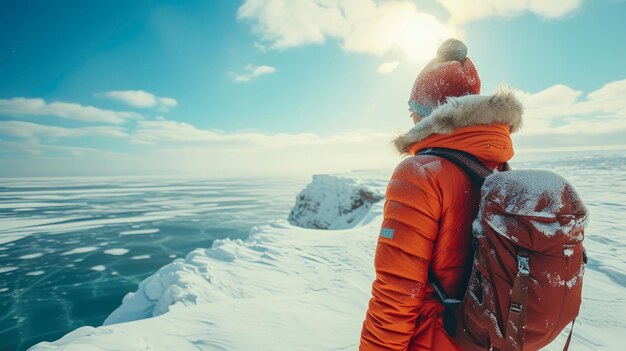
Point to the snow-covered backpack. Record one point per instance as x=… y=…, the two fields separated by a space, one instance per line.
x=524 y=272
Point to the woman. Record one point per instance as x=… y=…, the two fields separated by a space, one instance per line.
x=431 y=203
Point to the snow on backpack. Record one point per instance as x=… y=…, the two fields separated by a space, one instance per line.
x=524 y=272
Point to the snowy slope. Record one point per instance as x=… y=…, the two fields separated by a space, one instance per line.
x=285 y=288
x=291 y=288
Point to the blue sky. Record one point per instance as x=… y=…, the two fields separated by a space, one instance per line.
x=274 y=87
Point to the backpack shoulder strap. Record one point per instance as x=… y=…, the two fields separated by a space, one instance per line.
x=475 y=170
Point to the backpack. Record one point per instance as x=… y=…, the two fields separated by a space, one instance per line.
x=523 y=275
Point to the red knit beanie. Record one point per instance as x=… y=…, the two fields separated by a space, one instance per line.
x=451 y=73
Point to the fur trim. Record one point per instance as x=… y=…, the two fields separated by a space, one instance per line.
x=466 y=111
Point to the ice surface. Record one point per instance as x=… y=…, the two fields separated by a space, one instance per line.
x=80 y=250
x=31 y=256
x=116 y=252
x=139 y=232
x=36 y=273
x=140 y=257
x=33 y=205
x=7 y=224
x=68 y=205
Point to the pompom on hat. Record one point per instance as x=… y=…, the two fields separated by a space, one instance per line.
x=451 y=73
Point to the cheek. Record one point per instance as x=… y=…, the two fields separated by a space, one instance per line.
x=415 y=117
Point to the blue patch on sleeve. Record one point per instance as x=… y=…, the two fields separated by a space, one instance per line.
x=386 y=233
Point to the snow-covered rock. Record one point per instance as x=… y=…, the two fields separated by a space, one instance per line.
x=332 y=202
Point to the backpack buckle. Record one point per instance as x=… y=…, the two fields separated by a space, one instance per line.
x=515 y=308
x=523 y=265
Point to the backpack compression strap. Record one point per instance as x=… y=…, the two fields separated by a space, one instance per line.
x=518 y=305
x=516 y=322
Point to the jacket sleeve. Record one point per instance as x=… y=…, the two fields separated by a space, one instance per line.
x=405 y=245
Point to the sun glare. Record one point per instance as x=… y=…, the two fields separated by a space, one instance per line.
x=418 y=36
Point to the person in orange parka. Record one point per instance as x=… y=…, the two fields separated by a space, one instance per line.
x=431 y=203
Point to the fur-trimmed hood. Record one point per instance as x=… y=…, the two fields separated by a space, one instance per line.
x=470 y=110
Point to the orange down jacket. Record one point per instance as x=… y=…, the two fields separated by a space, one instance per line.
x=429 y=209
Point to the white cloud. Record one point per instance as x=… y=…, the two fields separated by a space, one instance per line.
x=152 y=132
x=33 y=130
x=139 y=99
x=464 y=11
x=41 y=166
x=38 y=107
x=378 y=27
x=291 y=23
x=135 y=98
x=563 y=110
x=252 y=72
x=388 y=67
x=169 y=147
x=557 y=119
x=165 y=131
x=167 y=102
x=260 y=47
x=284 y=156
x=365 y=26
x=383 y=27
